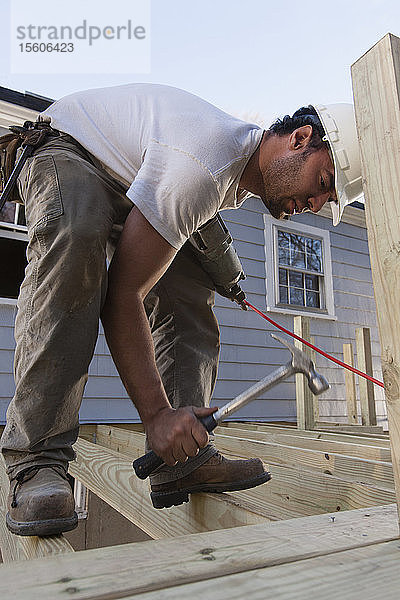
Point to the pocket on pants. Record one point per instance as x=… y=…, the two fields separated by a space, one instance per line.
x=41 y=191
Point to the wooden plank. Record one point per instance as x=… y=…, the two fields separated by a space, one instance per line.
x=15 y=547
x=365 y=573
x=350 y=385
x=354 y=436
x=376 y=83
x=130 y=569
x=364 y=363
x=343 y=428
x=304 y=397
x=313 y=356
x=110 y=476
x=359 y=448
x=349 y=468
x=299 y=492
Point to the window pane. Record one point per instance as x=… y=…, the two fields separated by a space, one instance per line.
x=296 y=279
x=21 y=215
x=296 y=296
x=314 y=263
x=314 y=255
x=312 y=282
x=283 y=294
x=8 y=212
x=312 y=299
x=297 y=242
x=284 y=256
x=283 y=276
x=13 y=268
x=283 y=239
x=314 y=247
x=297 y=259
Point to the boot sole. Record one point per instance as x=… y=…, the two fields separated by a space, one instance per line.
x=42 y=528
x=168 y=499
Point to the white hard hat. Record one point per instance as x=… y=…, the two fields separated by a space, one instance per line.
x=339 y=123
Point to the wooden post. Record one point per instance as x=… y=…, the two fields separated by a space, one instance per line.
x=364 y=363
x=313 y=356
x=350 y=384
x=376 y=82
x=304 y=397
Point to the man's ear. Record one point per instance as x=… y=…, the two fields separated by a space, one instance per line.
x=300 y=137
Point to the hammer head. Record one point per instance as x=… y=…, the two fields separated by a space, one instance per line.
x=301 y=363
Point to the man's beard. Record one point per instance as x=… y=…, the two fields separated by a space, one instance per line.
x=280 y=182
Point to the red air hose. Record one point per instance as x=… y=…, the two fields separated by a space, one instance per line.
x=335 y=360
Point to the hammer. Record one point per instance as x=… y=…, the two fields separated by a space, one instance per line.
x=300 y=363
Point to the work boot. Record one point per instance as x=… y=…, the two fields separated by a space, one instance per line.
x=218 y=474
x=41 y=501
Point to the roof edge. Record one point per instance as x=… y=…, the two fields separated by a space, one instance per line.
x=25 y=99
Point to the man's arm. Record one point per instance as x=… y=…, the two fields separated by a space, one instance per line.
x=141 y=258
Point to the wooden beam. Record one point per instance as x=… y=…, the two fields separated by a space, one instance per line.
x=356 y=433
x=344 y=467
x=313 y=356
x=376 y=83
x=356 y=446
x=16 y=547
x=345 y=428
x=304 y=397
x=124 y=441
x=110 y=476
x=350 y=385
x=133 y=569
x=370 y=472
x=364 y=363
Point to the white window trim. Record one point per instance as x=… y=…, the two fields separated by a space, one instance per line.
x=271 y=267
x=16 y=232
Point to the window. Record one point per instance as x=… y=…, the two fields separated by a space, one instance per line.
x=299 y=275
x=300 y=270
x=12 y=215
x=13 y=241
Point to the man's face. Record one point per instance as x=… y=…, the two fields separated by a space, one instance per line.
x=297 y=181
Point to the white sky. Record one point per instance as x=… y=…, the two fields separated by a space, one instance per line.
x=246 y=56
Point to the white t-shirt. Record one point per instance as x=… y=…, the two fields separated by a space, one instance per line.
x=180 y=157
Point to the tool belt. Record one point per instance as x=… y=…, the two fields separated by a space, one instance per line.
x=15 y=148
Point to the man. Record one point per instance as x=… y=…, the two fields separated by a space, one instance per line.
x=137 y=169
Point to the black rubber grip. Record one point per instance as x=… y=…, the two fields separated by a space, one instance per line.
x=146 y=464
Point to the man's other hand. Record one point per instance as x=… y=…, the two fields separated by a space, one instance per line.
x=176 y=434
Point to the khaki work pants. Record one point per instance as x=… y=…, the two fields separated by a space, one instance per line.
x=75 y=212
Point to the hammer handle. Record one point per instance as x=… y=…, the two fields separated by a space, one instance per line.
x=146 y=464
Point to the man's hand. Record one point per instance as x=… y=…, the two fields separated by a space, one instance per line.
x=176 y=434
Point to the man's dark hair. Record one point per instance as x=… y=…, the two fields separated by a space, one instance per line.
x=306 y=115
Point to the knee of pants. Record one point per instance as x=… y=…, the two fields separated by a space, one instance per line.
x=67 y=265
